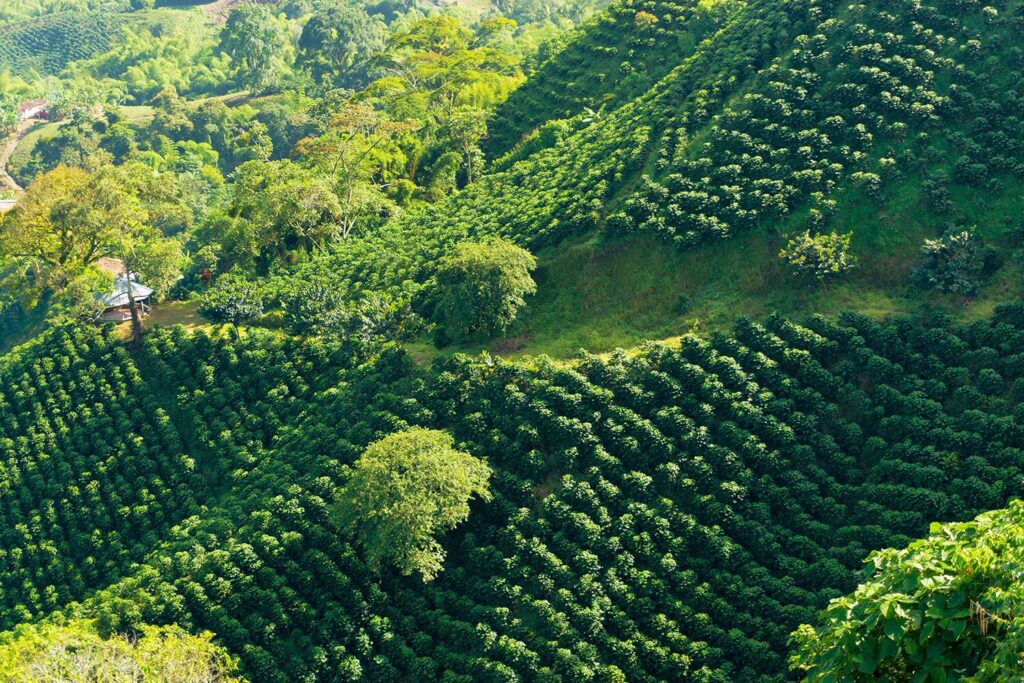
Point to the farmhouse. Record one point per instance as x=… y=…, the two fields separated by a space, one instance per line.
x=7 y=204
x=116 y=307
x=33 y=109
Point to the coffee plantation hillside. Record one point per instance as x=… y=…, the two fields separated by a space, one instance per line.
x=672 y=514
x=893 y=122
x=45 y=45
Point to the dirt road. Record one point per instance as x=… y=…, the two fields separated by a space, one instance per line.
x=7 y=149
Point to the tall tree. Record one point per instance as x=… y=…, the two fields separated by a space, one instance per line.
x=466 y=127
x=358 y=150
x=338 y=43
x=481 y=286
x=257 y=42
x=282 y=207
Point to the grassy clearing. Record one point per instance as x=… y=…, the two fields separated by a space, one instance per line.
x=29 y=141
x=166 y=315
x=603 y=295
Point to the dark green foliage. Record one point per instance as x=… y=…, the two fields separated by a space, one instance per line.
x=314 y=308
x=338 y=43
x=666 y=516
x=955 y=263
x=92 y=471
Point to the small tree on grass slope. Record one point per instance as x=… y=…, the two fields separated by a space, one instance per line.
x=819 y=258
x=482 y=286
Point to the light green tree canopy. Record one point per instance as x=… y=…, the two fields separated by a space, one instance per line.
x=405 y=490
x=481 y=286
x=69 y=217
x=77 y=653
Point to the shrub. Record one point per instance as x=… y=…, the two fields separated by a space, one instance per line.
x=233 y=300
x=819 y=257
x=955 y=263
x=315 y=308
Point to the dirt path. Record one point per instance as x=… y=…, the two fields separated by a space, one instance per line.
x=6 y=181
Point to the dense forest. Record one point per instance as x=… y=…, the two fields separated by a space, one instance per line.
x=292 y=301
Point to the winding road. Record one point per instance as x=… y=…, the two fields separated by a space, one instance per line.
x=9 y=145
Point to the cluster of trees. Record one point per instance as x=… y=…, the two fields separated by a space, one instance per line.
x=70 y=218
x=367 y=121
x=359 y=163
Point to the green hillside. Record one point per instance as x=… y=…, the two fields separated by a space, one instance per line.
x=46 y=45
x=413 y=218
x=870 y=118
x=644 y=525
x=617 y=57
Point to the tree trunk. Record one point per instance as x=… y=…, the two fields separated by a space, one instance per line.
x=137 y=329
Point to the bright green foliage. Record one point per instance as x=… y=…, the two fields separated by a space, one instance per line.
x=71 y=217
x=405 y=490
x=943 y=608
x=820 y=257
x=76 y=653
x=151 y=57
x=482 y=286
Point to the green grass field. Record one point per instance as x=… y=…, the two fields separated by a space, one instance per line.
x=602 y=295
x=167 y=315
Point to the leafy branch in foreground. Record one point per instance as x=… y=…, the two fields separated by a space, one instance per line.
x=78 y=652
x=941 y=609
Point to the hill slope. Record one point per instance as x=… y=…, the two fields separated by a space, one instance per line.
x=873 y=118
x=666 y=516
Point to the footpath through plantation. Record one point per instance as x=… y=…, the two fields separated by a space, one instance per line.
x=670 y=515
